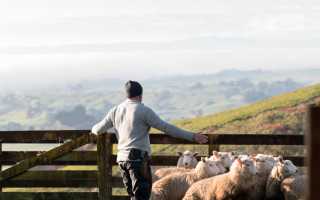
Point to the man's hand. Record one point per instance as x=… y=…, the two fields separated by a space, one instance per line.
x=197 y=137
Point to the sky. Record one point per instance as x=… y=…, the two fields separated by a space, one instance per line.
x=53 y=43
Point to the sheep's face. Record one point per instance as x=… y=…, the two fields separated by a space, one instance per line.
x=187 y=157
x=244 y=167
x=224 y=158
x=222 y=170
x=270 y=159
x=262 y=164
x=287 y=168
x=211 y=168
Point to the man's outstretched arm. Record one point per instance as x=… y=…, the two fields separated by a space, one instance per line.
x=153 y=120
x=103 y=126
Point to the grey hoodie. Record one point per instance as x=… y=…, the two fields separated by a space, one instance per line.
x=132 y=122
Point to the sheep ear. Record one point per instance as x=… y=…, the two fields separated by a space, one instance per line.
x=254 y=159
x=179 y=152
x=232 y=153
x=236 y=157
x=203 y=160
x=215 y=153
x=280 y=159
x=239 y=161
x=195 y=154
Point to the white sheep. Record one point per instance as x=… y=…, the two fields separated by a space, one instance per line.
x=235 y=153
x=259 y=182
x=294 y=187
x=187 y=159
x=223 y=157
x=273 y=160
x=232 y=185
x=281 y=170
x=162 y=172
x=174 y=186
x=222 y=170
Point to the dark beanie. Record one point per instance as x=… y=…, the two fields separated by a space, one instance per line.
x=133 y=89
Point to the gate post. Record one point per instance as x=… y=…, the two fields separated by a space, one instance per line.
x=110 y=147
x=103 y=167
x=212 y=147
x=0 y=164
x=313 y=139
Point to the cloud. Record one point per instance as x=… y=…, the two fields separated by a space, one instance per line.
x=70 y=28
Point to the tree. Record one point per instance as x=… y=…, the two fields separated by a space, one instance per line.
x=245 y=84
x=75 y=118
x=262 y=86
x=222 y=83
x=197 y=86
x=280 y=87
x=227 y=96
x=252 y=96
x=198 y=112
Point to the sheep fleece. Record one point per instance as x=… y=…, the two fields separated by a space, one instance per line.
x=212 y=189
x=165 y=189
x=160 y=173
x=294 y=187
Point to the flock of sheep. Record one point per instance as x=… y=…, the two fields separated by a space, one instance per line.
x=227 y=176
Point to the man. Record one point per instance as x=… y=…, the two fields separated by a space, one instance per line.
x=132 y=122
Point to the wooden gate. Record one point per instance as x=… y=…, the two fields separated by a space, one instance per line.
x=18 y=177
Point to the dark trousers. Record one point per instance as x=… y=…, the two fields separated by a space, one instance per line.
x=137 y=187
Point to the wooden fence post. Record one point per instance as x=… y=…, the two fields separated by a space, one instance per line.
x=212 y=147
x=0 y=164
x=103 y=167
x=110 y=147
x=313 y=151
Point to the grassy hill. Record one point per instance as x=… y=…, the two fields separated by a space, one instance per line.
x=304 y=95
x=283 y=114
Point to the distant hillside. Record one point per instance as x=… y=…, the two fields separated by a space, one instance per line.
x=304 y=95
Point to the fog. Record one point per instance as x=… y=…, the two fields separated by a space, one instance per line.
x=53 y=44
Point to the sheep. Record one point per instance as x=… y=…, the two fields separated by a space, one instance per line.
x=273 y=160
x=269 y=158
x=235 y=153
x=245 y=156
x=279 y=172
x=160 y=173
x=187 y=160
x=294 y=187
x=175 y=186
x=223 y=157
x=233 y=158
x=259 y=182
x=222 y=170
x=232 y=185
